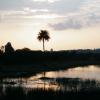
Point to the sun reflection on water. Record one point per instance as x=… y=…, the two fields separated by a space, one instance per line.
x=47 y=80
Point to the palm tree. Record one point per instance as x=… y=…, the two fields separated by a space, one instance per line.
x=42 y=36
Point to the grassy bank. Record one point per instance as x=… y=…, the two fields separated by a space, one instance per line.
x=22 y=62
x=20 y=94
x=16 y=70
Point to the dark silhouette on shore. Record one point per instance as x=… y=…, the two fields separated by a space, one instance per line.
x=92 y=92
x=28 y=56
x=9 y=48
x=43 y=36
x=27 y=60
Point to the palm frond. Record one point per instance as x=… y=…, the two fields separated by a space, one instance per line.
x=43 y=34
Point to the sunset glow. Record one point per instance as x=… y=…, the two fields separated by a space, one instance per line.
x=71 y=24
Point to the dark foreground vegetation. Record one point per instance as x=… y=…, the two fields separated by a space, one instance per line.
x=35 y=57
x=90 y=92
x=9 y=56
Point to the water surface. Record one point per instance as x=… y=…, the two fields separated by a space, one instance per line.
x=86 y=72
x=72 y=78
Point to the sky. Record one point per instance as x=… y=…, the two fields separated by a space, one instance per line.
x=72 y=24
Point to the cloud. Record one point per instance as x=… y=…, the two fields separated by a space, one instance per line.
x=28 y=13
x=14 y=4
x=36 y=8
x=69 y=24
x=50 y=1
x=75 y=14
x=88 y=15
x=47 y=16
x=57 y=6
x=41 y=11
x=27 y=9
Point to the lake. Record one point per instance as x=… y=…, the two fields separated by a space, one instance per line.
x=69 y=79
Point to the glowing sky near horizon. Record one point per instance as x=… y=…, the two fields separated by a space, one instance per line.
x=73 y=24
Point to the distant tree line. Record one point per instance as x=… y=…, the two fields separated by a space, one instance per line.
x=10 y=56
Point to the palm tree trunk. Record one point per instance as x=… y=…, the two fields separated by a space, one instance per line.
x=43 y=45
x=44 y=80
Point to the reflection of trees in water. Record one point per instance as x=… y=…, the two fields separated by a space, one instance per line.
x=1 y=90
x=63 y=84
x=70 y=84
x=44 y=81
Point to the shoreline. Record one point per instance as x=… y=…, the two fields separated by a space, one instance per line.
x=30 y=69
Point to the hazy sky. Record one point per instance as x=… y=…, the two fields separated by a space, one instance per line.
x=73 y=24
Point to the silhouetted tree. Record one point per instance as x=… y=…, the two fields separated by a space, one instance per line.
x=51 y=50
x=25 y=49
x=42 y=36
x=1 y=52
x=9 y=48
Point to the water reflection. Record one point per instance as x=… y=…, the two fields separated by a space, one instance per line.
x=87 y=72
x=69 y=79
